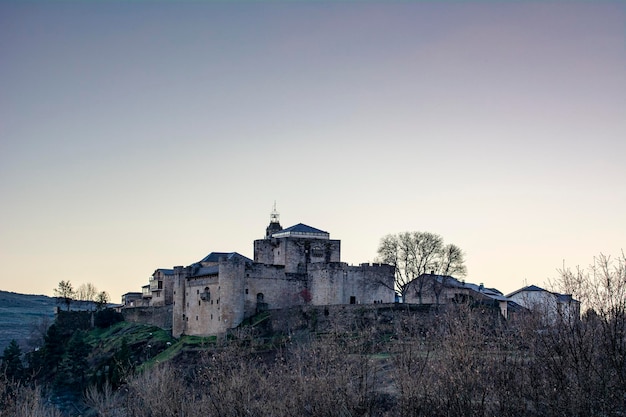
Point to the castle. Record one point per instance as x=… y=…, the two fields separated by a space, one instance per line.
x=299 y=265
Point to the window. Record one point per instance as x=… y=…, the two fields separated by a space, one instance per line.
x=197 y=292
x=196 y=318
x=199 y=302
x=246 y=291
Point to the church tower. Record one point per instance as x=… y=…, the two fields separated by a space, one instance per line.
x=274 y=225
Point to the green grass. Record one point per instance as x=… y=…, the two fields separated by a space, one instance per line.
x=256 y=319
x=185 y=343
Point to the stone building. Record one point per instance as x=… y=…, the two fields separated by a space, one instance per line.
x=435 y=289
x=299 y=265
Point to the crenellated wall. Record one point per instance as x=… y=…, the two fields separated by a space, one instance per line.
x=295 y=254
x=219 y=292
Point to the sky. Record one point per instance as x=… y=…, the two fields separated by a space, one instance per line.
x=144 y=135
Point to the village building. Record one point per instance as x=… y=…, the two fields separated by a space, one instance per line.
x=132 y=299
x=552 y=306
x=434 y=289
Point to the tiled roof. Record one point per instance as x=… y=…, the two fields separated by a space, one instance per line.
x=215 y=256
x=199 y=271
x=453 y=282
x=561 y=298
x=302 y=231
x=527 y=288
x=303 y=228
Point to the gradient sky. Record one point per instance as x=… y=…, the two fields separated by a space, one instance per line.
x=143 y=135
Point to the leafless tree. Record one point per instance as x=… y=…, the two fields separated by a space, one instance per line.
x=102 y=299
x=19 y=400
x=86 y=294
x=65 y=293
x=414 y=254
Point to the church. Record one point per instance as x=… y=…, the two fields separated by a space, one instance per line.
x=298 y=265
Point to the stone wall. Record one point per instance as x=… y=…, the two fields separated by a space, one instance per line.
x=269 y=287
x=202 y=306
x=338 y=283
x=155 y=316
x=178 y=315
x=373 y=283
x=296 y=253
x=383 y=318
x=232 y=283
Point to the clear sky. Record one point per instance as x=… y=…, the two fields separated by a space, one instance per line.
x=137 y=135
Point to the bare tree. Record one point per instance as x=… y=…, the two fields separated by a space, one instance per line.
x=102 y=299
x=86 y=294
x=451 y=262
x=414 y=254
x=65 y=293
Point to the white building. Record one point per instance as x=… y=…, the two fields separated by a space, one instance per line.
x=551 y=305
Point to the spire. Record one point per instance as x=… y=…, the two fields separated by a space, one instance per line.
x=274 y=223
x=274 y=215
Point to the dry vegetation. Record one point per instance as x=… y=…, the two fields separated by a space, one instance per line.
x=463 y=361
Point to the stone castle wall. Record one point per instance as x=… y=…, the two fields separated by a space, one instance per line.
x=179 y=301
x=295 y=253
x=286 y=272
x=231 y=293
x=338 y=283
x=155 y=316
x=346 y=318
x=202 y=306
x=269 y=287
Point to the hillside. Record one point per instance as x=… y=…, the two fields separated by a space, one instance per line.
x=21 y=315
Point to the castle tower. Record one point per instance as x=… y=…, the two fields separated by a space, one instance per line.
x=179 y=318
x=231 y=291
x=274 y=225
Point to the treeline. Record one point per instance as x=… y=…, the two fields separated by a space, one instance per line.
x=463 y=360
x=65 y=293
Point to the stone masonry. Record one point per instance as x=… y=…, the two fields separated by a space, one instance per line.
x=296 y=266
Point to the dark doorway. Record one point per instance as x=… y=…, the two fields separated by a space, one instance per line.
x=352 y=299
x=261 y=305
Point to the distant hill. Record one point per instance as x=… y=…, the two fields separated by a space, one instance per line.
x=21 y=315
